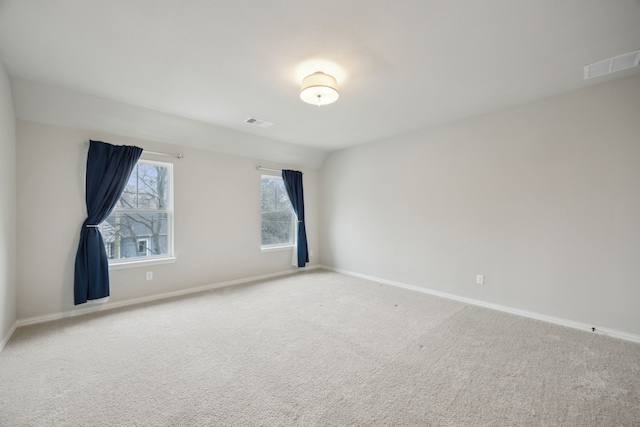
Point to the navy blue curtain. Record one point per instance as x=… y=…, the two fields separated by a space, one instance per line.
x=293 y=184
x=108 y=170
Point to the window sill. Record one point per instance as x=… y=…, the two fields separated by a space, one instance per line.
x=276 y=248
x=141 y=263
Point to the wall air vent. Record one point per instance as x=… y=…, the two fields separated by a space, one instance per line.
x=258 y=122
x=611 y=65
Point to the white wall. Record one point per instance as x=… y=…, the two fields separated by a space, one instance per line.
x=8 y=282
x=217 y=219
x=42 y=103
x=543 y=199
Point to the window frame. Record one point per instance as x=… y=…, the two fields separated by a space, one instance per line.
x=140 y=260
x=294 y=220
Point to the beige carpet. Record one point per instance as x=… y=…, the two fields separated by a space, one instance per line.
x=315 y=349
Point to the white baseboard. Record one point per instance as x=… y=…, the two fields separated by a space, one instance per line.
x=7 y=337
x=532 y=315
x=111 y=306
x=108 y=306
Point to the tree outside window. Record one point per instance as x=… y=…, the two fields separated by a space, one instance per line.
x=277 y=214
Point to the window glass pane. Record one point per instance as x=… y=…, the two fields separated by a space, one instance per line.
x=276 y=228
x=281 y=198
x=277 y=213
x=147 y=188
x=128 y=235
x=268 y=194
x=141 y=222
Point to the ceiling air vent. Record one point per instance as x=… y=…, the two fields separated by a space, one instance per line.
x=611 y=65
x=258 y=122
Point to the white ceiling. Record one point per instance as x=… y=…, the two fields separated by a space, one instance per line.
x=401 y=65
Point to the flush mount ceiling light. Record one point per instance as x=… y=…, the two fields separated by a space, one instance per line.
x=319 y=89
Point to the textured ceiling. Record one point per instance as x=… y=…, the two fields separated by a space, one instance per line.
x=401 y=65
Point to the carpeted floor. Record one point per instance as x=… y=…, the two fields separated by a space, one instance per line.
x=315 y=349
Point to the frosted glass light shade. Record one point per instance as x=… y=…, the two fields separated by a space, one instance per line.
x=319 y=89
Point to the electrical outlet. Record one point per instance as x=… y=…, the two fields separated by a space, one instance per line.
x=149 y=275
x=310 y=254
x=480 y=279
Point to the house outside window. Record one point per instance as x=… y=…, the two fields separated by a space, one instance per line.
x=141 y=224
x=278 y=218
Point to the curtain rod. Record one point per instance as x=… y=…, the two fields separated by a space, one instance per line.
x=157 y=153
x=260 y=168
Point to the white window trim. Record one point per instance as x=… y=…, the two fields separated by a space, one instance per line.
x=274 y=248
x=122 y=263
x=141 y=262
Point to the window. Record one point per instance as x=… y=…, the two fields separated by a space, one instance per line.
x=277 y=214
x=143 y=247
x=141 y=224
x=110 y=246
